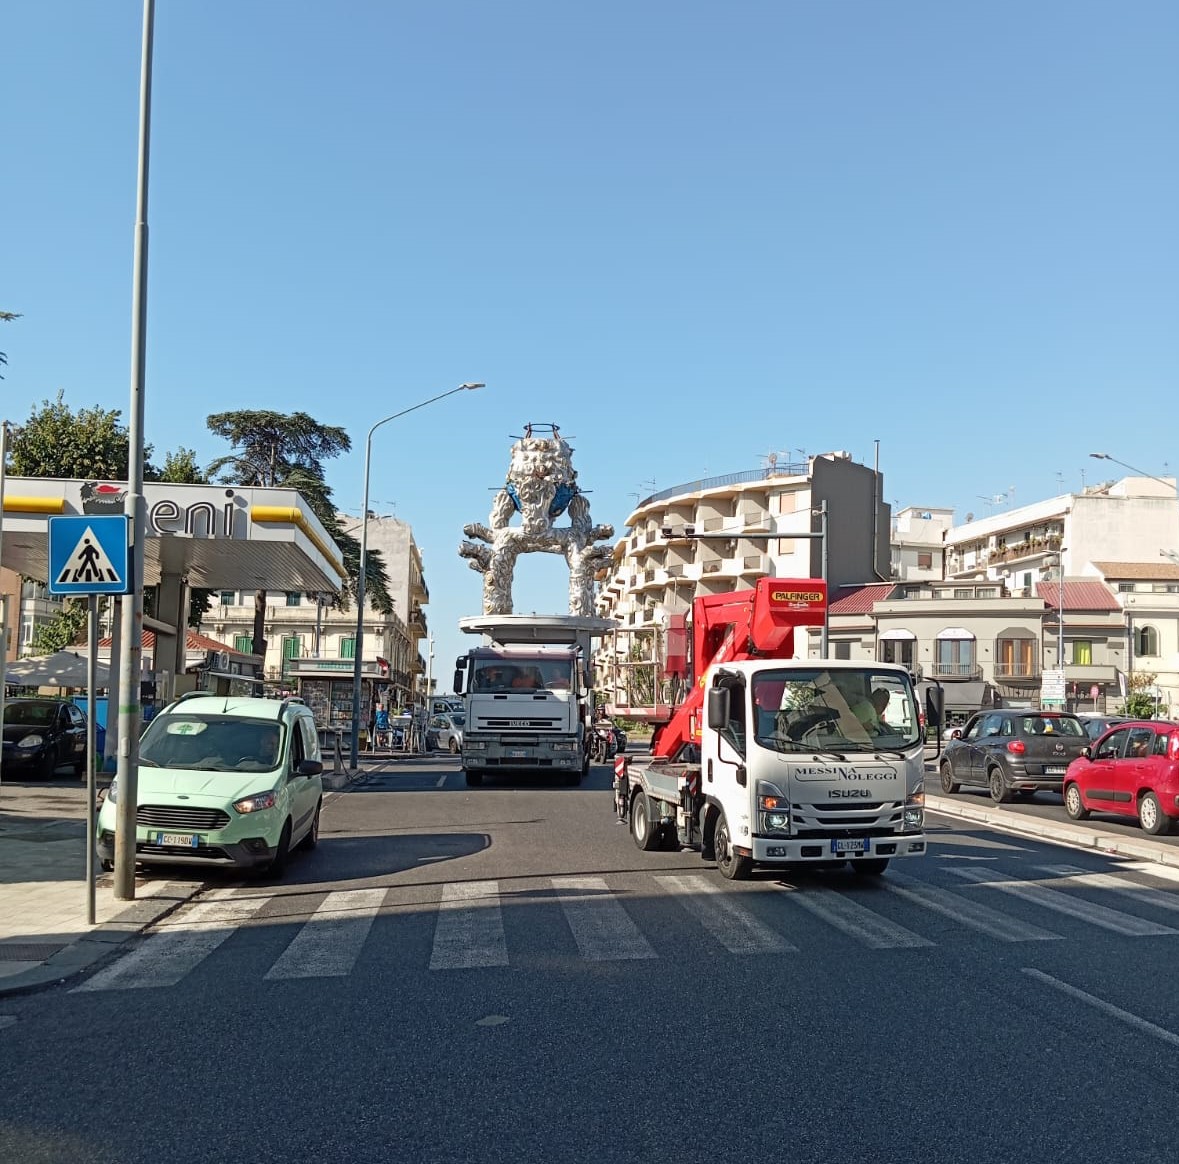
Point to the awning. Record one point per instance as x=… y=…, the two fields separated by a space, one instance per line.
x=897 y=635
x=955 y=632
x=1016 y=632
x=967 y=696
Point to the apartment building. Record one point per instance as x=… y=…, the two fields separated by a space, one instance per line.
x=917 y=548
x=302 y=626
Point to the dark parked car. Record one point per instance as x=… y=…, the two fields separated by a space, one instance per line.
x=1013 y=752
x=1133 y=771
x=41 y=735
x=1097 y=725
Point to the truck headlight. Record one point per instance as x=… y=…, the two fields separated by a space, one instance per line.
x=474 y=746
x=914 y=818
x=775 y=822
x=564 y=746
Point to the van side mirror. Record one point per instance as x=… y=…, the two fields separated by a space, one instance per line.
x=717 y=715
x=309 y=768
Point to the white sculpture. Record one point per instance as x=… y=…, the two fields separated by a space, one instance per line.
x=541 y=485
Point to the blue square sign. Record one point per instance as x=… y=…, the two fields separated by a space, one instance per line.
x=89 y=555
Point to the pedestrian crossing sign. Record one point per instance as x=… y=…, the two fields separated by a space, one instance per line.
x=89 y=555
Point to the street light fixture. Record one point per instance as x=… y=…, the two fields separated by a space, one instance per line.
x=1140 y=472
x=358 y=644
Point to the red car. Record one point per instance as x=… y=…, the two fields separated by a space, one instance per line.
x=1132 y=770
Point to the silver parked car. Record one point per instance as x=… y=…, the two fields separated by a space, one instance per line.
x=445 y=732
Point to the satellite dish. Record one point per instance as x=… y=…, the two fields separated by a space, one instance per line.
x=970 y=517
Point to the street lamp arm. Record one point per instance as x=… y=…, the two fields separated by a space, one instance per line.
x=1133 y=469
x=414 y=408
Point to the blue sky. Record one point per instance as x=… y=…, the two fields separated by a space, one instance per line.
x=691 y=234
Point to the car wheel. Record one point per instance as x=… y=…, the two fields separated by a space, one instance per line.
x=1000 y=793
x=453 y=745
x=474 y=779
x=949 y=784
x=732 y=866
x=870 y=867
x=312 y=838
x=645 y=834
x=1074 y=805
x=106 y=865
x=278 y=863
x=1151 y=817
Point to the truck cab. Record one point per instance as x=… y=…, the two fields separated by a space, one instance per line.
x=810 y=762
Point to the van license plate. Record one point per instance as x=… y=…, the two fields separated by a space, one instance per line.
x=843 y=846
x=176 y=840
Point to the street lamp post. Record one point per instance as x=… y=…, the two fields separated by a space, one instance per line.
x=358 y=644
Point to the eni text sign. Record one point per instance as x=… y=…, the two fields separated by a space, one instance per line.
x=88 y=554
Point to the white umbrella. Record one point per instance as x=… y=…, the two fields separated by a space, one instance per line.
x=61 y=669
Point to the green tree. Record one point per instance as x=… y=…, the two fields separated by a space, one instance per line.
x=275 y=449
x=6 y=317
x=1141 y=702
x=62 y=630
x=90 y=444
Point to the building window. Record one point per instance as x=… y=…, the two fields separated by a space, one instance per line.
x=228 y=597
x=841 y=650
x=1146 y=641
x=348 y=647
x=1125 y=587
x=899 y=651
x=243 y=644
x=1015 y=658
x=294 y=598
x=955 y=656
x=924 y=559
x=961 y=592
x=292 y=648
x=1082 y=653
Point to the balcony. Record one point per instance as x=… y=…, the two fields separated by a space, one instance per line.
x=1016 y=669
x=956 y=670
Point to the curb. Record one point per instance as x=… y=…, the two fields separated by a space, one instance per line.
x=1065 y=833
x=98 y=943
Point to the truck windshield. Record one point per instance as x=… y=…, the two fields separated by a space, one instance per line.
x=843 y=710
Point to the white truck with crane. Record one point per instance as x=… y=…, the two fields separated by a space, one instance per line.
x=527 y=695
x=775 y=761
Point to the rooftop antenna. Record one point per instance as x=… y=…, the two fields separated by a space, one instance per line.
x=990 y=502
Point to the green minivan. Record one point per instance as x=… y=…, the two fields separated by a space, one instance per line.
x=223 y=780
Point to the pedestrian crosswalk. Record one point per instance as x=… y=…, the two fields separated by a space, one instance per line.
x=486 y=924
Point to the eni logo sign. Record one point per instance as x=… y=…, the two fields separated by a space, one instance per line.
x=795 y=596
x=200 y=519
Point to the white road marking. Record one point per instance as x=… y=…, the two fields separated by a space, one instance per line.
x=857 y=921
x=178 y=944
x=470 y=928
x=328 y=945
x=1161 y=898
x=969 y=913
x=1108 y=1008
x=1086 y=911
x=734 y=927
x=603 y=930
x=1164 y=872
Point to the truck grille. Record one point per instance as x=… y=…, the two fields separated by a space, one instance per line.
x=169 y=816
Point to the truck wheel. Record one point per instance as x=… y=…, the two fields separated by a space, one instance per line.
x=646 y=835
x=574 y=778
x=474 y=779
x=732 y=866
x=870 y=867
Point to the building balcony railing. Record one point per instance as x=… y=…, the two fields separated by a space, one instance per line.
x=957 y=670
x=1021 y=669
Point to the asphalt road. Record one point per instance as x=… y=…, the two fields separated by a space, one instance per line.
x=499 y=974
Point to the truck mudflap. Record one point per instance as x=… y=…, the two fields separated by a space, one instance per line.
x=818 y=850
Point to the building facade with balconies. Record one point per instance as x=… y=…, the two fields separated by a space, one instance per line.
x=918 y=543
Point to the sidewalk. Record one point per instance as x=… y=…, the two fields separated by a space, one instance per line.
x=44 y=935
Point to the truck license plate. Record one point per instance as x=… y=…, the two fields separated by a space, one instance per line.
x=516 y=753
x=176 y=840
x=846 y=846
